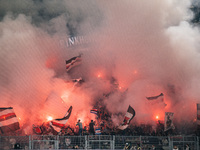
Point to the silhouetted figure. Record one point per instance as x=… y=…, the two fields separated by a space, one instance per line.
x=79 y=124
x=91 y=125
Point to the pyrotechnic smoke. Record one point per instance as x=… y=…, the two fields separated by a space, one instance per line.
x=149 y=47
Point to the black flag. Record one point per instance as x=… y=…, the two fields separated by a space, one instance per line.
x=156 y=97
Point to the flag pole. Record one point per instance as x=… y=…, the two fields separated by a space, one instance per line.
x=1 y=130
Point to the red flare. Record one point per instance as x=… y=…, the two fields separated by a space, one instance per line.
x=99 y=75
x=49 y=118
x=157 y=117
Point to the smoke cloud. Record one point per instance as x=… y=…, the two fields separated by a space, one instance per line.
x=149 y=47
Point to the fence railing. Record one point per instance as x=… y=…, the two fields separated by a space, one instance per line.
x=97 y=142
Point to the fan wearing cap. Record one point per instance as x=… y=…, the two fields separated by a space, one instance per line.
x=127 y=146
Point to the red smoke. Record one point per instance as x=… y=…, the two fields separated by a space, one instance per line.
x=149 y=48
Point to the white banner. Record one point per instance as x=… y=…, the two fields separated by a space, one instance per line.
x=169 y=121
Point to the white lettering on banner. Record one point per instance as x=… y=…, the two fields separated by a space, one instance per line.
x=75 y=40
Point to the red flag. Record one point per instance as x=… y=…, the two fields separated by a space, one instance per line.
x=8 y=120
x=94 y=111
x=57 y=124
x=37 y=130
x=128 y=117
x=74 y=61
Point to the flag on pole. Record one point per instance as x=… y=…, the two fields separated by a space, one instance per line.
x=74 y=61
x=157 y=99
x=169 y=121
x=58 y=124
x=98 y=131
x=198 y=114
x=161 y=96
x=37 y=129
x=94 y=111
x=8 y=120
x=128 y=117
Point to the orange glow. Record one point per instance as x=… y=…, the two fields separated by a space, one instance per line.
x=135 y=72
x=157 y=117
x=49 y=118
x=85 y=118
x=99 y=75
x=19 y=118
x=81 y=119
x=51 y=61
x=65 y=96
x=121 y=87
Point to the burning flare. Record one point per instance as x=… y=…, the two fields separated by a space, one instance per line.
x=49 y=118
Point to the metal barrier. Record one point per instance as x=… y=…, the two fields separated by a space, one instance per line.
x=120 y=141
x=100 y=142
x=182 y=141
x=44 y=142
x=10 y=142
x=145 y=142
x=72 y=142
x=96 y=142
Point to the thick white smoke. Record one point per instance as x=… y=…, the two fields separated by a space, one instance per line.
x=148 y=46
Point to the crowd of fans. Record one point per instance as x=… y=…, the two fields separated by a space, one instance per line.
x=103 y=125
x=132 y=130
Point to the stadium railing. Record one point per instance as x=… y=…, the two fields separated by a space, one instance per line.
x=97 y=142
